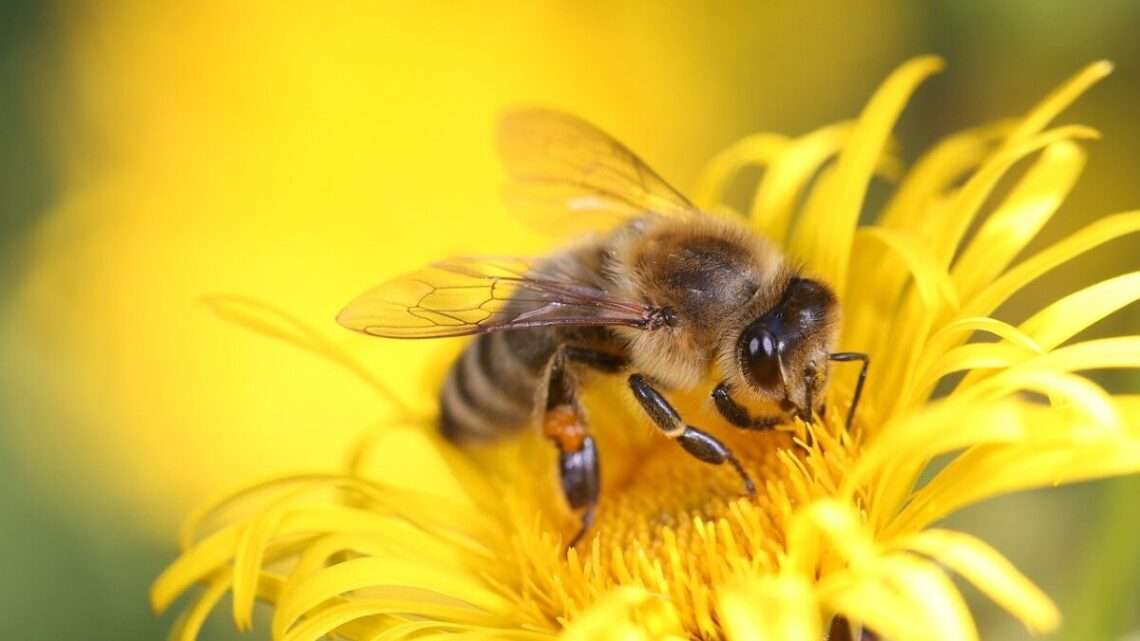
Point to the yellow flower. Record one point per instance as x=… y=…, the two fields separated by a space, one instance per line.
x=417 y=539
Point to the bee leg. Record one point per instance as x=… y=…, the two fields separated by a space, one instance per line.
x=564 y=425
x=579 y=472
x=866 y=360
x=737 y=414
x=700 y=444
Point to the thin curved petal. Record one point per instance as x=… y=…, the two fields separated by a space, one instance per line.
x=987 y=569
x=825 y=235
x=755 y=150
x=1068 y=316
x=947 y=233
x=986 y=471
x=1060 y=99
x=1016 y=221
x=930 y=280
x=1095 y=234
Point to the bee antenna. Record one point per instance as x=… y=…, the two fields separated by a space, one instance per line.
x=866 y=362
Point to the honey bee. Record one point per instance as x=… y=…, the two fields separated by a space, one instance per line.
x=666 y=297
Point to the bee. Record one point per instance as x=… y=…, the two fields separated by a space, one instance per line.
x=665 y=297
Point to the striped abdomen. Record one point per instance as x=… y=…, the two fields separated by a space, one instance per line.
x=491 y=388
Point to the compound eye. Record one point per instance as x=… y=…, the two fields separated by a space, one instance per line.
x=760 y=352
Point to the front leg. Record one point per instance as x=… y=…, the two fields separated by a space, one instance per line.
x=737 y=414
x=700 y=444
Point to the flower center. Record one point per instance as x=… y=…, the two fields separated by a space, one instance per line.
x=667 y=522
x=659 y=498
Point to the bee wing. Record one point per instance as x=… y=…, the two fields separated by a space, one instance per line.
x=463 y=296
x=565 y=172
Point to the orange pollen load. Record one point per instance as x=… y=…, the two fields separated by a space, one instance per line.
x=563 y=426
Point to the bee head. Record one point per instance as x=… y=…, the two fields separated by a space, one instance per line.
x=782 y=355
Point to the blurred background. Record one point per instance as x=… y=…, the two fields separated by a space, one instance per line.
x=154 y=152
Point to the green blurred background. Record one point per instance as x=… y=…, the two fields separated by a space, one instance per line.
x=143 y=141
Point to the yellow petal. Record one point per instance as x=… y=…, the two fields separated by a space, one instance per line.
x=190 y=621
x=816 y=205
x=826 y=235
x=938 y=170
x=1070 y=315
x=1059 y=100
x=958 y=331
x=990 y=470
x=900 y=597
x=1097 y=233
x=383 y=614
x=1001 y=329
x=328 y=620
x=252 y=546
x=789 y=173
x=371 y=572
x=1104 y=353
x=266 y=528
x=755 y=150
x=1021 y=214
x=626 y=613
x=991 y=572
x=216 y=550
x=770 y=608
x=900 y=452
x=868 y=601
x=948 y=232
x=973 y=356
x=930 y=279
x=935 y=599
x=940 y=427
x=781 y=186
x=829 y=521
x=1089 y=402
x=402 y=540
x=188 y=533
x=204 y=559
x=441 y=631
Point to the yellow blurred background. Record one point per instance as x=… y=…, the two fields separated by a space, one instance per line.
x=157 y=152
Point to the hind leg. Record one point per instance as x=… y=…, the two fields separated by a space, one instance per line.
x=564 y=424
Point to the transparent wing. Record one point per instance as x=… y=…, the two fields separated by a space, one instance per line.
x=565 y=173
x=463 y=296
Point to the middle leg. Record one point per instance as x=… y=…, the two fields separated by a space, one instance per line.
x=700 y=444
